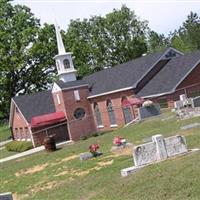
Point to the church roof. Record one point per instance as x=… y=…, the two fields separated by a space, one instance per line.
x=125 y=75
x=35 y=104
x=65 y=85
x=167 y=79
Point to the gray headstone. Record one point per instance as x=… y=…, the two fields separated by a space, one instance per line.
x=160 y=146
x=144 y=154
x=6 y=196
x=196 y=102
x=189 y=126
x=86 y=156
x=178 y=104
x=175 y=145
x=151 y=111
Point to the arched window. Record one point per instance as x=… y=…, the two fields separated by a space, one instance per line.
x=126 y=107
x=66 y=64
x=79 y=113
x=111 y=112
x=97 y=114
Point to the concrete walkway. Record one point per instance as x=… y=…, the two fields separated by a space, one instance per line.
x=32 y=151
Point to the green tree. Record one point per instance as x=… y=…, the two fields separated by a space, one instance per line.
x=26 y=62
x=106 y=41
x=157 y=42
x=187 y=37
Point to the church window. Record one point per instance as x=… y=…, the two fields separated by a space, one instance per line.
x=76 y=95
x=111 y=112
x=66 y=64
x=79 y=113
x=58 y=98
x=97 y=114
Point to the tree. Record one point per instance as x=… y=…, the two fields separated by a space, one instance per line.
x=101 y=42
x=157 y=42
x=25 y=53
x=187 y=37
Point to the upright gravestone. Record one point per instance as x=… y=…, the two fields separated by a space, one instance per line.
x=6 y=196
x=145 y=112
x=159 y=149
x=196 y=102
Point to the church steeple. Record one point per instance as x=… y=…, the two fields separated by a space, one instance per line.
x=64 y=63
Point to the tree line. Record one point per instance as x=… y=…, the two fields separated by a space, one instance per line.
x=27 y=48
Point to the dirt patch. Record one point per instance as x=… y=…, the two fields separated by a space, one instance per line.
x=106 y=163
x=41 y=186
x=65 y=160
x=19 y=196
x=32 y=170
x=124 y=152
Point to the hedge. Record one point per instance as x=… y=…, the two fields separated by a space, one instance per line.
x=19 y=146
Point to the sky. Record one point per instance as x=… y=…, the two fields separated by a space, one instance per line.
x=163 y=15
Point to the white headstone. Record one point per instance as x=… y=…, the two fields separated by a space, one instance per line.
x=144 y=154
x=175 y=145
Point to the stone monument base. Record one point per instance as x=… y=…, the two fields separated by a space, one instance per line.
x=125 y=172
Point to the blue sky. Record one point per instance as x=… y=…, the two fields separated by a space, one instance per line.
x=163 y=16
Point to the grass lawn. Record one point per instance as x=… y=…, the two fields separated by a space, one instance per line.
x=4 y=132
x=4 y=153
x=62 y=176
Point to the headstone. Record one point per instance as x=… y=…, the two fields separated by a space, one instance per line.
x=144 y=154
x=175 y=145
x=189 y=126
x=159 y=149
x=150 y=111
x=178 y=105
x=196 y=102
x=183 y=97
x=87 y=155
x=6 y=196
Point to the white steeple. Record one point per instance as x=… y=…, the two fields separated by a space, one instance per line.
x=64 y=63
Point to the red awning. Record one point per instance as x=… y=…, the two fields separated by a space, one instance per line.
x=132 y=101
x=47 y=119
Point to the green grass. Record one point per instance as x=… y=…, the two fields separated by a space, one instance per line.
x=5 y=153
x=176 y=178
x=4 y=132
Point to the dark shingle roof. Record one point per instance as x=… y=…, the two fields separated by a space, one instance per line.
x=76 y=83
x=35 y=104
x=121 y=76
x=168 y=78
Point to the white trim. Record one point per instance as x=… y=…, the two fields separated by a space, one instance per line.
x=11 y=113
x=174 y=89
x=163 y=55
x=100 y=126
x=75 y=87
x=110 y=92
x=55 y=88
x=113 y=125
x=198 y=62
x=157 y=95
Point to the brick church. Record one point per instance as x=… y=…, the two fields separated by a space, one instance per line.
x=104 y=100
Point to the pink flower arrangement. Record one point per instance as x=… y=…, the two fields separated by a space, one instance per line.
x=93 y=148
x=118 y=140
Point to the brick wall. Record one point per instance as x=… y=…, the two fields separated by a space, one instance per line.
x=116 y=102
x=20 y=127
x=77 y=128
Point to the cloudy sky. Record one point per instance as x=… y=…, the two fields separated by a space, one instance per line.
x=163 y=15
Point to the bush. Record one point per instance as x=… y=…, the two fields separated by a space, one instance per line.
x=19 y=146
x=83 y=137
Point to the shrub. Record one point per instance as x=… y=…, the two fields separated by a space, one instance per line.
x=83 y=137
x=19 y=146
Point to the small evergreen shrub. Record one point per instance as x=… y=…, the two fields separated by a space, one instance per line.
x=19 y=146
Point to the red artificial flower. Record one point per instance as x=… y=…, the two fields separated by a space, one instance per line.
x=93 y=148
x=117 y=140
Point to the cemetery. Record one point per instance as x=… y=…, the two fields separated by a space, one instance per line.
x=61 y=173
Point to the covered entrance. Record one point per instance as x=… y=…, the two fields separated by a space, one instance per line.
x=54 y=124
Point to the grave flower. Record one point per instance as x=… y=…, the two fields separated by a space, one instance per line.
x=119 y=141
x=93 y=149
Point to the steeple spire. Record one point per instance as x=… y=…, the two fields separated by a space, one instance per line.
x=61 y=48
x=64 y=62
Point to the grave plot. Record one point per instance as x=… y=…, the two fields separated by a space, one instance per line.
x=158 y=150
